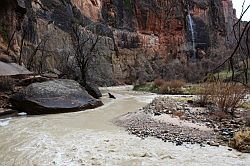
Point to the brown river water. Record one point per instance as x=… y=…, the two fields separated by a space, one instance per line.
x=89 y=138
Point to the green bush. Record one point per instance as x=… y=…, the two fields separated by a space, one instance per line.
x=148 y=87
x=162 y=87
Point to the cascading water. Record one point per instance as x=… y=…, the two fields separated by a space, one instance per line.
x=191 y=25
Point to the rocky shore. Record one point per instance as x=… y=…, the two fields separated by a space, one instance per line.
x=182 y=122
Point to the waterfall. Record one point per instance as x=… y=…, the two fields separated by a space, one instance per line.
x=191 y=29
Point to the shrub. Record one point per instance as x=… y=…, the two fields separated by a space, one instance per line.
x=226 y=96
x=6 y=84
x=148 y=87
x=159 y=82
x=241 y=141
x=204 y=94
x=172 y=87
x=219 y=115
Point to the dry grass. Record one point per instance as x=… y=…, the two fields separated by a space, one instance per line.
x=172 y=87
x=241 y=140
x=159 y=82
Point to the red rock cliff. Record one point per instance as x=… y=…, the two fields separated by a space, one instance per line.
x=162 y=24
x=139 y=36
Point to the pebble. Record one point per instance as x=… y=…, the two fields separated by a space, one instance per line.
x=212 y=143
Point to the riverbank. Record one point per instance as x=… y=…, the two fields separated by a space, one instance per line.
x=183 y=122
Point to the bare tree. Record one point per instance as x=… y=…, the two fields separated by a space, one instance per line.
x=21 y=47
x=238 y=60
x=10 y=40
x=32 y=58
x=84 y=45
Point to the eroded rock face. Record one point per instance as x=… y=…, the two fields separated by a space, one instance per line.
x=153 y=30
x=51 y=97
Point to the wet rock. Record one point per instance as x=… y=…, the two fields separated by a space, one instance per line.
x=190 y=102
x=178 y=143
x=111 y=96
x=7 y=112
x=55 y=96
x=157 y=114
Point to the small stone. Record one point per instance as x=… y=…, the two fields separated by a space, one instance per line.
x=179 y=143
x=212 y=143
x=216 y=129
x=237 y=115
x=224 y=133
x=201 y=145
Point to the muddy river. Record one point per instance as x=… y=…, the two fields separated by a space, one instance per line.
x=89 y=138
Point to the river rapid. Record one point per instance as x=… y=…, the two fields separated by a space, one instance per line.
x=90 y=138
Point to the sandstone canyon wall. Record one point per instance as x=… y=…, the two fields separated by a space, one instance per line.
x=139 y=37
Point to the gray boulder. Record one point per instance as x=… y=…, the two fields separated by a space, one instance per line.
x=57 y=96
x=93 y=90
x=12 y=69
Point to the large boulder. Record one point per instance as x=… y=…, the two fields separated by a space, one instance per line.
x=12 y=69
x=93 y=90
x=57 y=96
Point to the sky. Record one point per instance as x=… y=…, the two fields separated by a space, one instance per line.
x=238 y=6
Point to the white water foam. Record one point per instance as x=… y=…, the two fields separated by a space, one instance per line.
x=5 y=122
